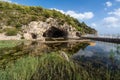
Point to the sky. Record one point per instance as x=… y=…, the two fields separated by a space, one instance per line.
x=103 y=15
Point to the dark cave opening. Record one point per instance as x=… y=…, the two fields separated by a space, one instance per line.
x=54 y=32
x=34 y=36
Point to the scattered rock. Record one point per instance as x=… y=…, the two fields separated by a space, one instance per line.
x=64 y=55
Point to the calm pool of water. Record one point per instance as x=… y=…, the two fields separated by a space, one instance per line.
x=93 y=52
x=108 y=54
x=100 y=49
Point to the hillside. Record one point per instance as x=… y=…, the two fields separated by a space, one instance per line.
x=16 y=16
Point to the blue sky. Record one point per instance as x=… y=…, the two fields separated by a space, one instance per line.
x=103 y=15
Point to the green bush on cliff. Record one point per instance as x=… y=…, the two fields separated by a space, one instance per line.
x=18 y=15
x=11 y=32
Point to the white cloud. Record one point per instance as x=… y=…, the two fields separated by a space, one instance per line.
x=108 y=4
x=116 y=12
x=85 y=15
x=93 y=25
x=79 y=16
x=6 y=0
x=111 y=22
x=58 y=10
x=110 y=19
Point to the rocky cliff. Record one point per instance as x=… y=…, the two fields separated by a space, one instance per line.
x=30 y=22
x=50 y=28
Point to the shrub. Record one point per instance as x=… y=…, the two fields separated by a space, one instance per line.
x=18 y=25
x=11 y=32
x=1 y=31
x=22 y=37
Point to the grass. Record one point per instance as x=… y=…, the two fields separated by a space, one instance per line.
x=23 y=69
x=9 y=43
x=11 y=32
x=47 y=67
x=52 y=66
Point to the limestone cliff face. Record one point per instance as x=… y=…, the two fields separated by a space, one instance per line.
x=32 y=22
x=49 y=28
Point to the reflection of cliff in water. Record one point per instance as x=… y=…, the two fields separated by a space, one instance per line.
x=37 y=48
x=67 y=47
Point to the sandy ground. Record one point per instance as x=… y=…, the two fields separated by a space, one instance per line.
x=17 y=37
x=4 y=37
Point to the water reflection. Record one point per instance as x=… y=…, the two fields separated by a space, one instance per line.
x=101 y=49
x=68 y=47
x=97 y=59
x=107 y=54
x=102 y=54
x=84 y=53
x=36 y=49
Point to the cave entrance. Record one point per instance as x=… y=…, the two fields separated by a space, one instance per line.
x=54 y=32
x=34 y=36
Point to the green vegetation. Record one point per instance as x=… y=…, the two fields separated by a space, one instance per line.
x=22 y=63
x=17 y=15
x=9 y=44
x=23 y=69
x=54 y=67
x=10 y=51
x=11 y=31
x=47 y=67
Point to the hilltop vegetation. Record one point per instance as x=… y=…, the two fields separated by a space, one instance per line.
x=17 y=15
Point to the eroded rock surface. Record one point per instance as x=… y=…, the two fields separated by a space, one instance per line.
x=41 y=30
x=50 y=28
